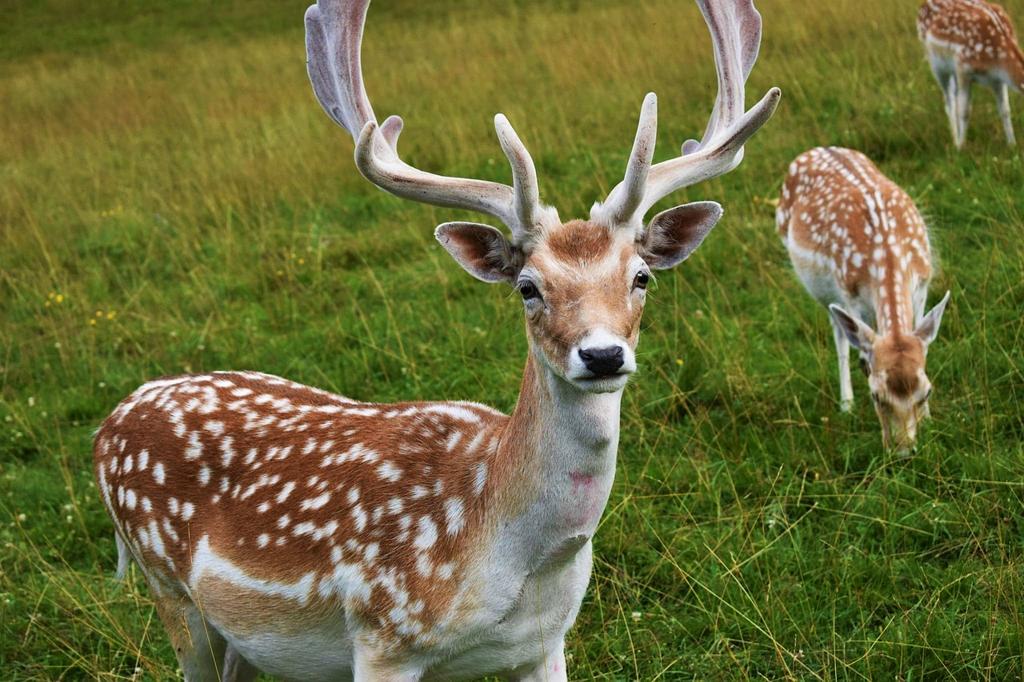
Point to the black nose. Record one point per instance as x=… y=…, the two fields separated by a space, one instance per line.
x=602 y=361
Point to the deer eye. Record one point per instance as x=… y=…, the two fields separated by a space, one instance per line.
x=529 y=291
x=641 y=280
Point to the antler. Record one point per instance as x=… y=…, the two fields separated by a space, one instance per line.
x=334 y=33
x=736 y=34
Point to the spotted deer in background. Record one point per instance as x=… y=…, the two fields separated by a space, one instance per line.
x=286 y=529
x=967 y=42
x=860 y=247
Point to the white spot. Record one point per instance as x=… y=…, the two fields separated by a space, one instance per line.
x=479 y=477
x=454 y=515
x=130 y=499
x=195 y=448
x=395 y=505
x=204 y=475
x=187 y=510
x=360 y=517
x=263 y=540
x=158 y=473
x=227 y=451
x=215 y=427
x=427 y=533
x=286 y=490
x=453 y=411
x=127 y=464
x=389 y=471
x=143 y=460
x=304 y=528
x=316 y=502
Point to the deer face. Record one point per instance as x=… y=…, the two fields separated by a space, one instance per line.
x=583 y=285
x=583 y=290
x=899 y=387
x=895 y=367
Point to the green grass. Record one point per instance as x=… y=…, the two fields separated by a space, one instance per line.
x=172 y=199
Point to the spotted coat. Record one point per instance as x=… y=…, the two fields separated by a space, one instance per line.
x=294 y=487
x=840 y=214
x=861 y=248
x=980 y=33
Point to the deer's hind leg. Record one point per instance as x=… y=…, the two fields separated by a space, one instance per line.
x=962 y=79
x=1003 y=103
x=947 y=83
x=199 y=647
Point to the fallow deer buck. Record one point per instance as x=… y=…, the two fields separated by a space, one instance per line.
x=860 y=247
x=290 y=530
x=967 y=42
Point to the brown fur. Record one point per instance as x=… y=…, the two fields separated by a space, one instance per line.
x=824 y=209
x=575 y=299
x=579 y=241
x=983 y=31
x=240 y=508
x=900 y=358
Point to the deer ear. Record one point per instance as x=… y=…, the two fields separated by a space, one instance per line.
x=861 y=336
x=673 y=235
x=483 y=251
x=928 y=328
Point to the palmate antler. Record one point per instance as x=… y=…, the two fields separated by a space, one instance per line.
x=334 y=30
x=736 y=35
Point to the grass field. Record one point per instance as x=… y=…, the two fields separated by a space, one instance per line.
x=173 y=199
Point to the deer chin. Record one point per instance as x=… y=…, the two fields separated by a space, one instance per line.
x=601 y=384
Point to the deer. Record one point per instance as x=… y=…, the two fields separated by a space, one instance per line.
x=967 y=42
x=860 y=247
x=289 y=530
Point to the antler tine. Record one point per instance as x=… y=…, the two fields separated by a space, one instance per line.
x=334 y=31
x=334 y=36
x=530 y=213
x=735 y=27
x=626 y=198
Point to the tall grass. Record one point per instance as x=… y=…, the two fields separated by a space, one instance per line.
x=172 y=199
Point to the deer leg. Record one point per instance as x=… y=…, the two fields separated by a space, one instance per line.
x=1003 y=102
x=963 y=106
x=947 y=83
x=843 y=353
x=197 y=645
x=236 y=668
x=552 y=669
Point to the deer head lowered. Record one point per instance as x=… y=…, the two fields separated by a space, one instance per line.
x=290 y=530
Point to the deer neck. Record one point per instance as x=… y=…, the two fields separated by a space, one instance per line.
x=558 y=449
x=894 y=303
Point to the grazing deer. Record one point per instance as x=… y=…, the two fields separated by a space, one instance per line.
x=860 y=247
x=290 y=530
x=970 y=41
